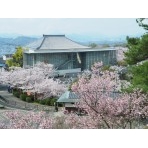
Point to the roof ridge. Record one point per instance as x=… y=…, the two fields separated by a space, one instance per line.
x=41 y=43
x=57 y=42
x=50 y=35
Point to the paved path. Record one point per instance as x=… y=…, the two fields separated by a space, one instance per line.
x=21 y=106
x=7 y=99
x=17 y=104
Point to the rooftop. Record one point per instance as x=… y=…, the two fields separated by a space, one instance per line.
x=48 y=42
x=69 y=97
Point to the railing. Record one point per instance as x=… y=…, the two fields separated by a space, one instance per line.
x=67 y=71
x=63 y=64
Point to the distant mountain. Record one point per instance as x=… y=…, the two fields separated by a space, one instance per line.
x=100 y=39
x=10 y=35
x=21 y=41
x=8 y=42
x=8 y=45
x=104 y=43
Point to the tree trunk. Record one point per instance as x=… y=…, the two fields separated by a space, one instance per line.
x=130 y=125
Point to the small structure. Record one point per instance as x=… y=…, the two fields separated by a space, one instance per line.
x=3 y=65
x=69 y=99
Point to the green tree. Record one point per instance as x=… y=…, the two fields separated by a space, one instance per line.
x=138 y=49
x=105 y=45
x=140 y=76
x=137 y=53
x=17 y=58
x=93 y=45
x=142 y=23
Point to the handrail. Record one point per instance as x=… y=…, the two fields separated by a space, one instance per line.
x=63 y=64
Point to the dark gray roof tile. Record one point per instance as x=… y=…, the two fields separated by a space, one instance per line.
x=68 y=96
x=55 y=42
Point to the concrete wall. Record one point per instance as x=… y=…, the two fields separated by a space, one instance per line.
x=70 y=60
x=107 y=57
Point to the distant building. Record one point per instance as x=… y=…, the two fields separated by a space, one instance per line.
x=3 y=59
x=66 y=55
x=2 y=67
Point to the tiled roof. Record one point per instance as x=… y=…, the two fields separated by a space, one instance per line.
x=35 y=44
x=55 y=42
x=68 y=96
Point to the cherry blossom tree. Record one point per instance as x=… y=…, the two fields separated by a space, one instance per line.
x=100 y=97
x=49 y=88
x=31 y=120
x=105 y=106
x=22 y=76
x=24 y=120
x=37 y=79
x=4 y=77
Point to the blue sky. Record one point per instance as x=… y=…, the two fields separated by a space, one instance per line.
x=89 y=27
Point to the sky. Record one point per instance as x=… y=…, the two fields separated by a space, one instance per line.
x=91 y=28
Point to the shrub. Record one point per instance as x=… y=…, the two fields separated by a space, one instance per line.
x=37 y=101
x=106 y=67
x=121 y=63
x=52 y=101
x=32 y=98
x=23 y=97
x=16 y=93
x=43 y=102
x=28 y=99
x=48 y=101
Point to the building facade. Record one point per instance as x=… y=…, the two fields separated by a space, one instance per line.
x=65 y=54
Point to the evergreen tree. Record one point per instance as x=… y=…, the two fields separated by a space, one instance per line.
x=142 y=23
x=140 y=76
x=138 y=49
x=138 y=53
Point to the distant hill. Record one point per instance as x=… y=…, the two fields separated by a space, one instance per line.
x=9 y=42
x=8 y=45
x=21 y=41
